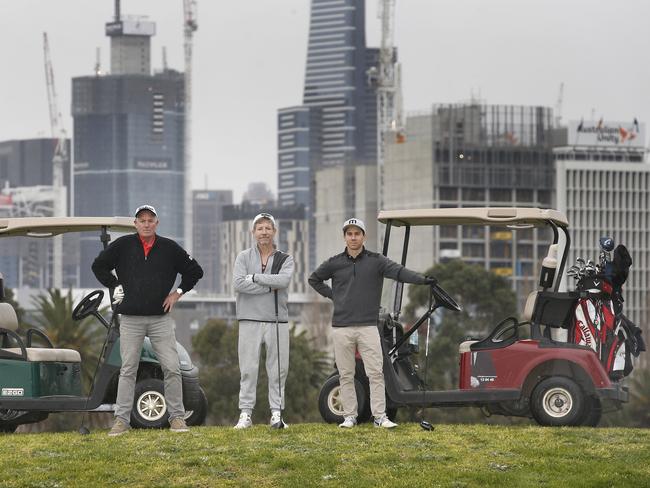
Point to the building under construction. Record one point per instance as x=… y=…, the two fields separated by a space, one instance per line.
x=475 y=155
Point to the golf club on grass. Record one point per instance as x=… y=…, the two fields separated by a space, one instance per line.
x=280 y=424
x=424 y=423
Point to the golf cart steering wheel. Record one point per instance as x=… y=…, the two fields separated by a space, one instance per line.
x=88 y=305
x=443 y=298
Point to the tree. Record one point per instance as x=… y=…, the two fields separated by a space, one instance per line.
x=216 y=348
x=485 y=299
x=54 y=317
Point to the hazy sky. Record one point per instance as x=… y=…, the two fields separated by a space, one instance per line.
x=250 y=60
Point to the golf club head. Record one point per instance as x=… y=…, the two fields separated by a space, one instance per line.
x=279 y=425
x=426 y=425
x=83 y=430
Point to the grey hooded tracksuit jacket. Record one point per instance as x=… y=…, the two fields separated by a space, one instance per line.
x=256 y=316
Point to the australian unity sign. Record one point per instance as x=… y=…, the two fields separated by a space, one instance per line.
x=607 y=133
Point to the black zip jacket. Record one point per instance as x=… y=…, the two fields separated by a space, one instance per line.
x=146 y=280
x=356 y=285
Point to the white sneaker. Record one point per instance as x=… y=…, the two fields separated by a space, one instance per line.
x=244 y=422
x=276 y=421
x=348 y=422
x=384 y=422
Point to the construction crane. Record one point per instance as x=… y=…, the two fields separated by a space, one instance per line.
x=189 y=27
x=386 y=80
x=58 y=162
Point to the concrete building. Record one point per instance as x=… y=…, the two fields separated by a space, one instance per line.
x=207 y=214
x=128 y=137
x=356 y=188
x=292 y=237
x=603 y=187
x=475 y=155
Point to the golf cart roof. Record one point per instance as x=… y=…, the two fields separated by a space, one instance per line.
x=508 y=216
x=51 y=226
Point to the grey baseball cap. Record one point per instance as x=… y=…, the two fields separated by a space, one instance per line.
x=356 y=222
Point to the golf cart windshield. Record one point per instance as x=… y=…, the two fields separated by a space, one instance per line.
x=510 y=241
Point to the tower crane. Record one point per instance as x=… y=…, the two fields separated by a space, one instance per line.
x=387 y=81
x=189 y=27
x=58 y=161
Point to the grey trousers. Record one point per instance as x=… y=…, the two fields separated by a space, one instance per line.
x=251 y=337
x=346 y=341
x=160 y=330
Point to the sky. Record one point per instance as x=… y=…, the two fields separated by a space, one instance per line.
x=249 y=60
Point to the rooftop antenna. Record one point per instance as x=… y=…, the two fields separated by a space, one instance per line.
x=164 y=58
x=189 y=27
x=558 y=105
x=98 y=61
x=117 y=10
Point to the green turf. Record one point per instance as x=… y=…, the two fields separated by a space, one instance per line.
x=324 y=455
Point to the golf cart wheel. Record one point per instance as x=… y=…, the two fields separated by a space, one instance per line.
x=7 y=428
x=149 y=405
x=557 y=401
x=329 y=400
x=593 y=412
x=197 y=410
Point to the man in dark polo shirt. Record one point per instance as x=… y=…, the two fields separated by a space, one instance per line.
x=357 y=275
x=146 y=266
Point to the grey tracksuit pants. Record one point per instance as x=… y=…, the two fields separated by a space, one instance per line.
x=251 y=337
x=160 y=330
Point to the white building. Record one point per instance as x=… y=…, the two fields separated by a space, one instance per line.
x=603 y=187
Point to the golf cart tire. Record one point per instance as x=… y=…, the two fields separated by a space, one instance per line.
x=149 y=405
x=329 y=400
x=7 y=428
x=593 y=412
x=198 y=409
x=557 y=401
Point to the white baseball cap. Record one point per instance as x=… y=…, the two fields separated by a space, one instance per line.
x=150 y=208
x=356 y=222
x=263 y=215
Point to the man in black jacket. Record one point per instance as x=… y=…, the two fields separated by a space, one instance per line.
x=147 y=265
x=357 y=275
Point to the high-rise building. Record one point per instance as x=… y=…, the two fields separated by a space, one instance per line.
x=475 y=155
x=128 y=137
x=27 y=191
x=603 y=187
x=336 y=125
x=207 y=214
x=28 y=162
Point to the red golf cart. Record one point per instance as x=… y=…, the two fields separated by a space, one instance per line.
x=555 y=381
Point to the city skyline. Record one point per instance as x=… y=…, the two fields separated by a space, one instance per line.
x=250 y=63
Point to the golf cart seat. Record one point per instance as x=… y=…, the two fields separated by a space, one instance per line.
x=8 y=328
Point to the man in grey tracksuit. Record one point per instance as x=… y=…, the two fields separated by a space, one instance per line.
x=256 y=289
x=357 y=276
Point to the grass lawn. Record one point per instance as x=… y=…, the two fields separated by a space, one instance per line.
x=324 y=455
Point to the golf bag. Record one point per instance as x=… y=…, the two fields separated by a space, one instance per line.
x=598 y=320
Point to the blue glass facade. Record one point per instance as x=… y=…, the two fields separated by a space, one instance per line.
x=128 y=150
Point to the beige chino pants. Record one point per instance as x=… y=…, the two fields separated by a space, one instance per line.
x=366 y=339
